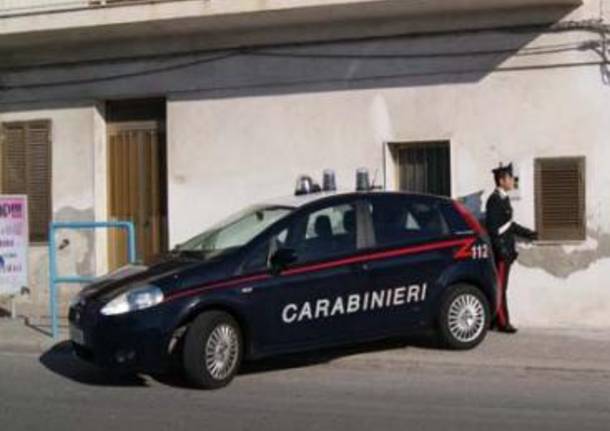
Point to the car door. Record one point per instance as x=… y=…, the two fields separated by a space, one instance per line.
x=307 y=303
x=407 y=260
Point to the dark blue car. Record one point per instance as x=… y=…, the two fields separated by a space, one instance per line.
x=306 y=272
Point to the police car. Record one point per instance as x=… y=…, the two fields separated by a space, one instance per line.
x=320 y=269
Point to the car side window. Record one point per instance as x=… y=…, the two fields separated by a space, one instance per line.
x=259 y=258
x=321 y=234
x=324 y=233
x=400 y=220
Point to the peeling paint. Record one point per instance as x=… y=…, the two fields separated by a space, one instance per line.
x=78 y=256
x=563 y=260
x=39 y=274
x=558 y=260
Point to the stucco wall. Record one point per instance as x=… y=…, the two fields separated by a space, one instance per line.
x=73 y=194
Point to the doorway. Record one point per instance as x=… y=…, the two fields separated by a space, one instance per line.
x=137 y=177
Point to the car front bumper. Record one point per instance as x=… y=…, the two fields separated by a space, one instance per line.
x=133 y=342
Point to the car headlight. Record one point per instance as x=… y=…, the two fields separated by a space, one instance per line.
x=138 y=298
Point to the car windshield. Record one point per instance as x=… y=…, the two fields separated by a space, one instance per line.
x=235 y=231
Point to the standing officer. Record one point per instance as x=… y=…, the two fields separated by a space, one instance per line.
x=502 y=232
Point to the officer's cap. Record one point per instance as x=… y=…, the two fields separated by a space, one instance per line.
x=502 y=171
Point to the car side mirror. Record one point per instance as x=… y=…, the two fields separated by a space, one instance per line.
x=281 y=259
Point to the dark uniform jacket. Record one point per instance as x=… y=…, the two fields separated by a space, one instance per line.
x=502 y=230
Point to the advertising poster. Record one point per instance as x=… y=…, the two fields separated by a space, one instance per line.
x=13 y=243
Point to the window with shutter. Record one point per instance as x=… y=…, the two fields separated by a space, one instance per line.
x=423 y=167
x=26 y=169
x=560 y=198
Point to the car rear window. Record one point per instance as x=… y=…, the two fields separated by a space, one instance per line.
x=399 y=220
x=454 y=219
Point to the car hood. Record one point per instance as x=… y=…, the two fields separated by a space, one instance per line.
x=118 y=281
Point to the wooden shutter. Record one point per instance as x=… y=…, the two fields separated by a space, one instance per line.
x=13 y=159
x=38 y=178
x=560 y=198
x=26 y=169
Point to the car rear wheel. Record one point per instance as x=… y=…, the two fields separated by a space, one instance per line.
x=464 y=317
x=213 y=350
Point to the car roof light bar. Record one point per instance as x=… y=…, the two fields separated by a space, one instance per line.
x=306 y=185
x=329 y=181
x=363 y=182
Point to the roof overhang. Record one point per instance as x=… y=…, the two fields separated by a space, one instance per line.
x=222 y=24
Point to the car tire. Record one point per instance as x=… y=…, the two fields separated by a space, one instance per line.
x=213 y=350
x=464 y=318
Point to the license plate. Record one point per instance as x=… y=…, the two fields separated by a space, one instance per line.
x=77 y=335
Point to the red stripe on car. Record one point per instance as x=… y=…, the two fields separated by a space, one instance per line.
x=464 y=244
x=217 y=285
x=382 y=255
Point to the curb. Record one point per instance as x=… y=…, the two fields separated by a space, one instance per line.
x=410 y=364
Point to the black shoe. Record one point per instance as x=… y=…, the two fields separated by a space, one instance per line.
x=508 y=329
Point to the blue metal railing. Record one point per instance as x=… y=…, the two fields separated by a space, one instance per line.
x=55 y=279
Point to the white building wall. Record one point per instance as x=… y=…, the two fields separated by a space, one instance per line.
x=73 y=193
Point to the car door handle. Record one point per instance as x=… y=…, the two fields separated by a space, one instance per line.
x=365 y=266
x=246 y=290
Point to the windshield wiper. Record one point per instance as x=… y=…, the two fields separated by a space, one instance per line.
x=197 y=254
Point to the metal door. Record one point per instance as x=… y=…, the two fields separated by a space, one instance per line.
x=137 y=188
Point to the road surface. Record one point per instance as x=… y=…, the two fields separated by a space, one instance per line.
x=320 y=392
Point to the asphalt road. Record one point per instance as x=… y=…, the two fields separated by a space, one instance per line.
x=56 y=392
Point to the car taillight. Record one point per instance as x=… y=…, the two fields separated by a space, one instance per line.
x=470 y=219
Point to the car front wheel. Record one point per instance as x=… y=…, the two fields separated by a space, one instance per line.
x=463 y=318
x=213 y=350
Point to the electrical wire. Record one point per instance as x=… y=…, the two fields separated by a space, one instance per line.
x=139 y=73
x=596 y=26
x=347 y=82
x=265 y=52
x=197 y=53
x=416 y=56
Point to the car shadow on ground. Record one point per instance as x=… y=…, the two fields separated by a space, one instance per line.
x=325 y=356
x=61 y=360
